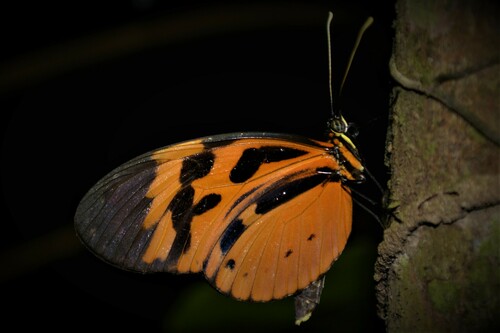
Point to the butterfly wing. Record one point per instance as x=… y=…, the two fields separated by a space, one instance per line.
x=248 y=209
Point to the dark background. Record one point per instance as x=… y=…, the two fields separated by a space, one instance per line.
x=87 y=85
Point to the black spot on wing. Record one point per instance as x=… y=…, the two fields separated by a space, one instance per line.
x=286 y=190
x=230 y=264
x=180 y=206
x=231 y=235
x=311 y=237
x=253 y=158
x=288 y=253
x=196 y=166
x=206 y=203
x=182 y=215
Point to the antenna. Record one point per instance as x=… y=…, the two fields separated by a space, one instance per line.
x=336 y=113
x=365 y=26
x=328 y=23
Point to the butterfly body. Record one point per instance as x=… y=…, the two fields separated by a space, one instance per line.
x=261 y=215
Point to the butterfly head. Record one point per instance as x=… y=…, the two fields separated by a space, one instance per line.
x=338 y=124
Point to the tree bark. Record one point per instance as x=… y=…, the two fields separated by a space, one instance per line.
x=438 y=266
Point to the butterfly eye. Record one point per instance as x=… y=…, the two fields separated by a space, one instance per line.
x=338 y=125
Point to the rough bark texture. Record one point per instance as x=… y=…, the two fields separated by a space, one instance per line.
x=438 y=266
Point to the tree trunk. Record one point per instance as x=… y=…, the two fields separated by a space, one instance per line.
x=438 y=266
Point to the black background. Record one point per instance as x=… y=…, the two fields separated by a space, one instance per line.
x=70 y=114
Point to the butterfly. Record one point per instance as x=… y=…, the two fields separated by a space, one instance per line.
x=261 y=215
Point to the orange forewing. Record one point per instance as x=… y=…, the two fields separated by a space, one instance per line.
x=262 y=215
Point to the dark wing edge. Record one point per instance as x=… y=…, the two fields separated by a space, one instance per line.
x=109 y=218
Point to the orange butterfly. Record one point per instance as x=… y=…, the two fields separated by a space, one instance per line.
x=261 y=215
